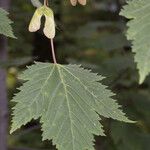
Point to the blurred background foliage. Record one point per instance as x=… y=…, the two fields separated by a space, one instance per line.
x=93 y=36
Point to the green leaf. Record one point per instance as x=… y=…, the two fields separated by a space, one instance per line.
x=139 y=30
x=67 y=99
x=5 y=27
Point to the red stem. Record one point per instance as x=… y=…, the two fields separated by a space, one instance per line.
x=53 y=51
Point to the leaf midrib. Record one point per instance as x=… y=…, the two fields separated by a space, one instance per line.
x=68 y=104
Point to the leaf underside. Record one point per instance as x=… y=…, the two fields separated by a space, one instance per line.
x=5 y=24
x=68 y=100
x=139 y=32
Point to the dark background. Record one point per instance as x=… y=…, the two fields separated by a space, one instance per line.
x=93 y=36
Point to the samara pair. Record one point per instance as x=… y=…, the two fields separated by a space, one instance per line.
x=49 y=25
x=74 y=2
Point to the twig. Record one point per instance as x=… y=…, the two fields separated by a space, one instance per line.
x=45 y=2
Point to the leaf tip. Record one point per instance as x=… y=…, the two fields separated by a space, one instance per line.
x=142 y=78
x=12 y=130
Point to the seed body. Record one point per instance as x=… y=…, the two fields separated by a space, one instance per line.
x=35 y=22
x=49 y=28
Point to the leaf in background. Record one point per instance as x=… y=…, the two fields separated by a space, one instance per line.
x=36 y=3
x=139 y=30
x=67 y=99
x=5 y=27
x=129 y=137
x=15 y=62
